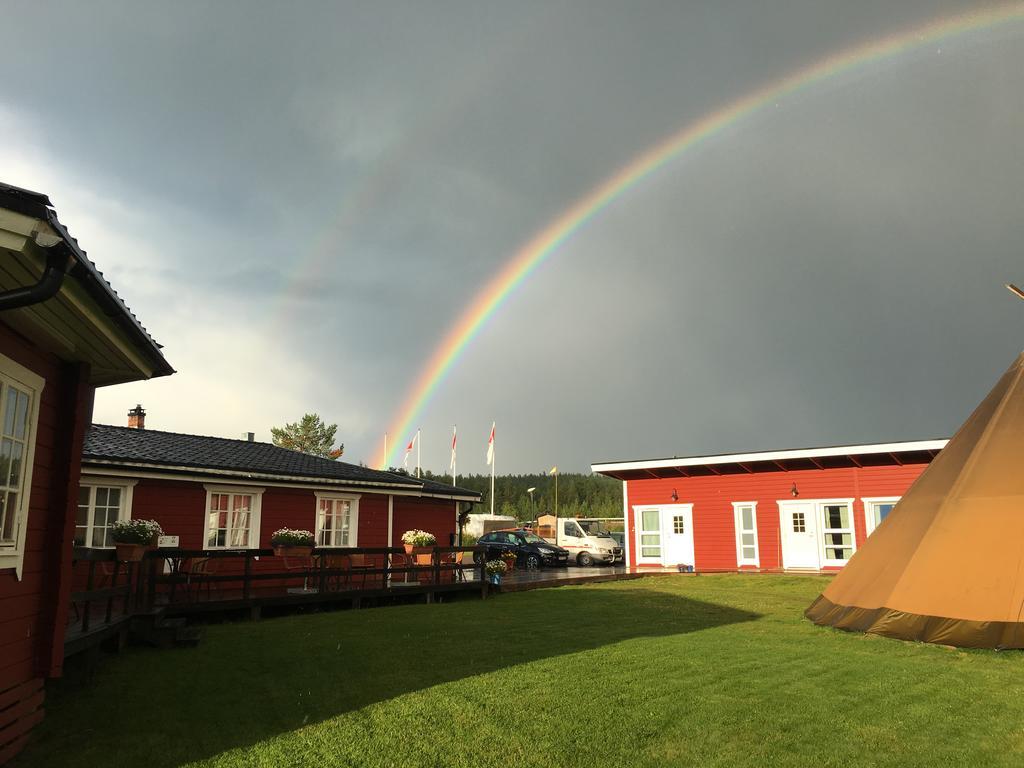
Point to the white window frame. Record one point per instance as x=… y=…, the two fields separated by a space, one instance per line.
x=123 y=513
x=820 y=505
x=11 y=373
x=638 y=512
x=353 y=523
x=869 y=504
x=737 y=506
x=254 y=520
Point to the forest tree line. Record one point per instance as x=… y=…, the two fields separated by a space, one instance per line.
x=579 y=495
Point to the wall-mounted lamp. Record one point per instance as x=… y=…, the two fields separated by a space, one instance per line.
x=675 y=496
x=794 y=491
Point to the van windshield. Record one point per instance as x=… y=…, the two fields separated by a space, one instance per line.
x=593 y=528
x=533 y=538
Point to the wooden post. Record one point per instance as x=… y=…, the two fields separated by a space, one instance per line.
x=150 y=568
x=88 y=603
x=113 y=583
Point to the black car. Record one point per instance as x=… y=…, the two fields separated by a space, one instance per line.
x=531 y=550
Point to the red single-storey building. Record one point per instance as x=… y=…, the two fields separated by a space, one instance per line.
x=63 y=332
x=801 y=510
x=218 y=493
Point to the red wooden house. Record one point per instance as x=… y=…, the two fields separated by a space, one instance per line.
x=63 y=332
x=217 y=493
x=802 y=510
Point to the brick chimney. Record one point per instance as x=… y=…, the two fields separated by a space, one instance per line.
x=137 y=417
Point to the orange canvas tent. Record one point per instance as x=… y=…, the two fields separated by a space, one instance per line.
x=947 y=564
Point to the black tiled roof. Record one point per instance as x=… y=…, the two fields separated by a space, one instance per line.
x=126 y=445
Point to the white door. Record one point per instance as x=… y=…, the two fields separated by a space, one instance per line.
x=677 y=523
x=799 y=534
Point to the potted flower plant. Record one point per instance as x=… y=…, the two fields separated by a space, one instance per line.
x=510 y=559
x=294 y=542
x=495 y=570
x=417 y=538
x=133 y=538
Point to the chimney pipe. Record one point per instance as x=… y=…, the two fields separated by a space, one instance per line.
x=137 y=417
x=249 y=436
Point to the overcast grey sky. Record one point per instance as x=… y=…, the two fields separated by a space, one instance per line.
x=299 y=199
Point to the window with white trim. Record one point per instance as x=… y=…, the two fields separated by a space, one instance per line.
x=337 y=520
x=101 y=503
x=876 y=510
x=232 y=517
x=19 y=415
x=837 y=532
x=745 y=515
x=650 y=534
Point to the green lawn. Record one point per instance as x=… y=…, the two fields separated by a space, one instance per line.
x=712 y=670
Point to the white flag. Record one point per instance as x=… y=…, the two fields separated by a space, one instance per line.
x=451 y=465
x=408 y=450
x=490 y=446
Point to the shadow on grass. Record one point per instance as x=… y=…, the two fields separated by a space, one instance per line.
x=249 y=682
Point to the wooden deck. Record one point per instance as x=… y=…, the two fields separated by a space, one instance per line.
x=172 y=583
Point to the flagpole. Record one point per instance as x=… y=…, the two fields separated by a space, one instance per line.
x=418 y=465
x=385 y=451
x=556 y=493
x=455 y=433
x=493 y=462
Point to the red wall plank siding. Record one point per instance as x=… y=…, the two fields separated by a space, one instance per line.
x=31 y=635
x=180 y=508
x=433 y=515
x=712 y=496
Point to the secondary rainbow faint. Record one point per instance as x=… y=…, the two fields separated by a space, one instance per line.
x=547 y=241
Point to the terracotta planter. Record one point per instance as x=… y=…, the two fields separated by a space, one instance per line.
x=408 y=548
x=293 y=550
x=131 y=553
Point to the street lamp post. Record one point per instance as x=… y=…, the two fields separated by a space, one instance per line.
x=532 y=505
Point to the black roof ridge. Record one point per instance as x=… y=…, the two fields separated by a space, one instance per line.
x=204 y=437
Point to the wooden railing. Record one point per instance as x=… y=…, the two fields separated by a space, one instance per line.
x=211 y=576
x=112 y=591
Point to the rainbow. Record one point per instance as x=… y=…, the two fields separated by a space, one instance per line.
x=528 y=258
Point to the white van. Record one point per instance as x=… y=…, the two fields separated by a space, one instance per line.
x=587 y=541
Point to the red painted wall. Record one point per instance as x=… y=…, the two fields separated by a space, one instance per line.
x=180 y=508
x=714 y=533
x=432 y=515
x=32 y=609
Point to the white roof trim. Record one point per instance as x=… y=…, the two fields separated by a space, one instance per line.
x=194 y=474
x=800 y=453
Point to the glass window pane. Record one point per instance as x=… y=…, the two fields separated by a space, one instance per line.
x=80 y=533
x=11 y=512
x=114 y=497
x=21 y=419
x=837 y=516
x=6 y=449
x=747 y=516
x=749 y=553
x=10 y=408
x=652 y=539
x=650 y=551
x=6 y=520
x=650 y=519
x=16 y=453
x=747 y=539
